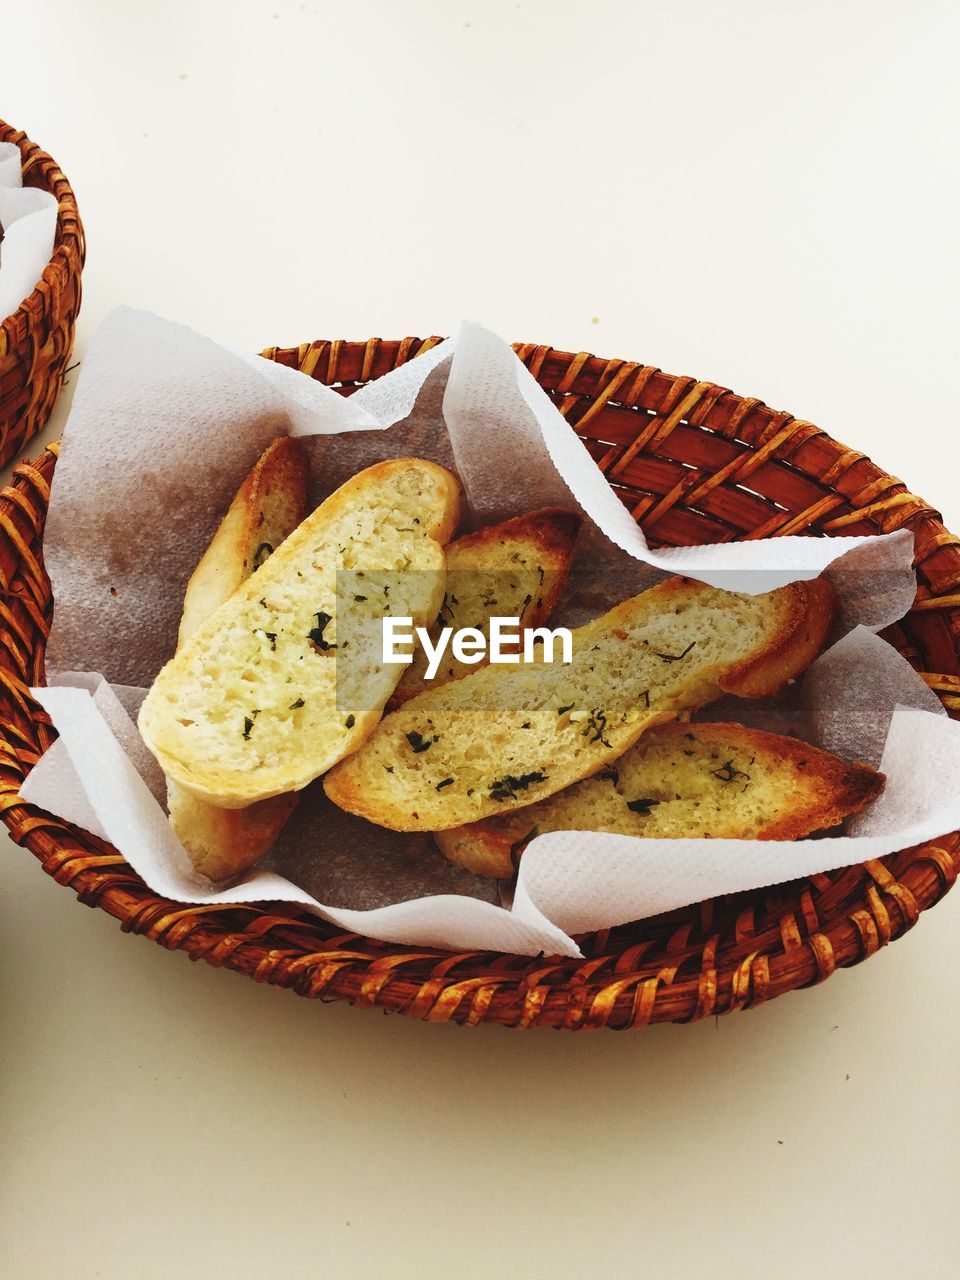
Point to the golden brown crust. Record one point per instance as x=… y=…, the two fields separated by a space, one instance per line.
x=553 y=530
x=809 y=617
x=833 y=789
x=845 y=789
x=479 y=849
x=445 y=525
x=223 y=843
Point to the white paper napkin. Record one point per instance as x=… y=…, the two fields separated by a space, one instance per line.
x=165 y=424
x=28 y=217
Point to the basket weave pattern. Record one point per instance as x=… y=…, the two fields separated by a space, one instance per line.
x=35 y=342
x=694 y=463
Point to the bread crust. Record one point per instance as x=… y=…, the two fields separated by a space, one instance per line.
x=812 y=609
x=831 y=790
x=796 y=621
x=551 y=529
x=223 y=843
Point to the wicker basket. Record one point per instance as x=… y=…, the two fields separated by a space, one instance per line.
x=694 y=463
x=35 y=342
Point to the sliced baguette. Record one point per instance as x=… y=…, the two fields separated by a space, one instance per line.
x=251 y=706
x=698 y=780
x=507 y=736
x=223 y=843
x=268 y=506
x=516 y=569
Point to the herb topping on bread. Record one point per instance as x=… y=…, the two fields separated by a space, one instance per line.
x=507 y=736
x=683 y=780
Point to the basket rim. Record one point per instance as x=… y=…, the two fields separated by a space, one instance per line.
x=610 y=987
x=68 y=245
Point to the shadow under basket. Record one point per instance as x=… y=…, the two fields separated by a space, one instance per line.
x=36 y=341
x=694 y=463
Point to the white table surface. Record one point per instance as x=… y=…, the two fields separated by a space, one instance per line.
x=760 y=193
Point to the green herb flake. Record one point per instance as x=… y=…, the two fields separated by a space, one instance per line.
x=263 y=552
x=506 y=788
x=350 y=721
x=359 y=599
x=675 y=657
x=315 y=634
x=642 y=807
x=727 y=772
x=419 y=743
x=447 y=782
x=597 y=725
x=295 y=706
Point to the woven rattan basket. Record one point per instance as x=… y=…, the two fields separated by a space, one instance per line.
x=35 y=342
x=694 y=463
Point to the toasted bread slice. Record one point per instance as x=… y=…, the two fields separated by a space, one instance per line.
x=507 y=736
x=696 y=780
x=516 y=569
x=268 y=506
x=252 y=705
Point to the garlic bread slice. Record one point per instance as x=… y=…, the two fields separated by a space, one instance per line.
x=516 y=569
x=267 y=508
x=269 y=505
x=683 y=780
x=251 y=706
x=507 y=736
